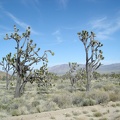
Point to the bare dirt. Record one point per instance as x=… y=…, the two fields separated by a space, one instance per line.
x=110 y=111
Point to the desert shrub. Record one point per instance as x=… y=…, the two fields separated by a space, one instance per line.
x=98 y=85
x=46 y=106
x=117 y=104
x=61 y=86
x=14 y=106
x=63 y=100
x=77 y=98
x=67 y=115
x=70 y=89
x=15 y=112
x=51 y=106
x=88 y=102
x=23 y=110
x=97 y=114
x=94 y=110
x=99 y=96
x=35 y=103
x=5 y=99
x=3 y=106
x=109 y=87
x=2 y=115
x=20 y=101
x=76 y=113
x=114 y=97
x=117 y=90
x=52 y=117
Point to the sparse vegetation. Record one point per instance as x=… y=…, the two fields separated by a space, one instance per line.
x=49 y=92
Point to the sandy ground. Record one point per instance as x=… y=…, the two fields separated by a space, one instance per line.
x=111 y=111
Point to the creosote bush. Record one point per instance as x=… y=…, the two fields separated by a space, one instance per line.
x=97 y=114
x=88 y=102
x=99 y=96
x=63 y=100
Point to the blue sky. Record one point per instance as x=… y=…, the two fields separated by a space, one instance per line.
x=55 y=24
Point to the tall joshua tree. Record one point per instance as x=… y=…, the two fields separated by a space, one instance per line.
x=93 y=54
x=25 y=57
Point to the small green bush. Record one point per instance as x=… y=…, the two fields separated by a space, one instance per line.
x=88 y=102
x=97 y=114
x=15 y=112
x=35 y=103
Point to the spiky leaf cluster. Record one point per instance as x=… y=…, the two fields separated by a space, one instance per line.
x=73 y=67
x=90 y=43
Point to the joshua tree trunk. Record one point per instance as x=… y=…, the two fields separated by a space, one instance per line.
x=7 y=81
x=87 y=71
x=17 y=89
x=18 y=84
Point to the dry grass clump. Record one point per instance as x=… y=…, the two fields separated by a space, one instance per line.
x=24 y=110
x=63 y=100
x=94 y=110
x=77 y=98
x=67 y=115
x=46 y=106
x=3 y=114
x=85 y=112
x=52 y=117
x=76 y=113
x=109 y=87
x=97 y=114
x=113 y=96
x=99 y=96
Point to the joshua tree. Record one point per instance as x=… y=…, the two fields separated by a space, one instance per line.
x=40 y=76
x=93 y=54
x=6 y=67
x=72 y=72
x=25 y=57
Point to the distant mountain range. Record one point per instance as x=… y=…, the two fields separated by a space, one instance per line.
x=63 y=68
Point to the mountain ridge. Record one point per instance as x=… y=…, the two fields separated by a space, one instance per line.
x=63 y=68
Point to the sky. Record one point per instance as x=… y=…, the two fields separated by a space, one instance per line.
x=55 y=24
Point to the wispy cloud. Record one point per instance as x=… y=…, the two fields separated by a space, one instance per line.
x=105 y=27
x=63 y=3
x=33 y=3
x=57 y=32
x=57 y=35
x=19 y=22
